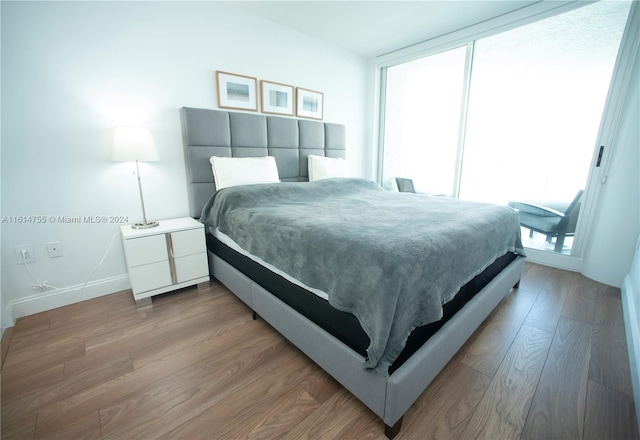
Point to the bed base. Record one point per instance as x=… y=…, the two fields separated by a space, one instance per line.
x=388 y=397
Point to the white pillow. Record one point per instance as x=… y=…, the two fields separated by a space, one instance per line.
x=321 y=167
x=232 y=171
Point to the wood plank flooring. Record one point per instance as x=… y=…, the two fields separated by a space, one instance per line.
x=550 y=362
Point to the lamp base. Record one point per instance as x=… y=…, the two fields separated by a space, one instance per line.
x=145 y=225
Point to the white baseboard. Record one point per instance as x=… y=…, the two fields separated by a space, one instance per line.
x=553 y=259
x=631 y=308
x=53 y=299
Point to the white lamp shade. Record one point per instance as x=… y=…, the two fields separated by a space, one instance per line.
x=133 y=143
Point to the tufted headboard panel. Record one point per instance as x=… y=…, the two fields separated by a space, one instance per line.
x=209 y=133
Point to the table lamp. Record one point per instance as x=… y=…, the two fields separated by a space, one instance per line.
x=135 y=144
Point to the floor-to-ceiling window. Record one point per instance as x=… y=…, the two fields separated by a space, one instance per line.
x=423 y=110
x=512 y=117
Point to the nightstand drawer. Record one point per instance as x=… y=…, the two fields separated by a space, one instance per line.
x=150 y=276
x=169 y=256
x=188 y=242
x=146 y=250
x=191 y=267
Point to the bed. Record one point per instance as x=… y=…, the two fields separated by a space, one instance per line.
x=365 y=332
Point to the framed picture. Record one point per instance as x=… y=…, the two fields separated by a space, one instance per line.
x=309 y=104
x=237 y=91
x=277 y=98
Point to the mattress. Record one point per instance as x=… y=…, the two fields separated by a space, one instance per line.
x=224 y=238
x=343 y=325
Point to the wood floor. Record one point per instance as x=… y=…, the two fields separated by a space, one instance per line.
x=549 y=363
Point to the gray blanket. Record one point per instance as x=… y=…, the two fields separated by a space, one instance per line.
x=391 y=259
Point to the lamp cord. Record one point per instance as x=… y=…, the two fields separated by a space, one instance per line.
x=45 y=285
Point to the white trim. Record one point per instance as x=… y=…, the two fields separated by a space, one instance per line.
x=41 y=302
x=6 y=317
x=554 y=259
x=632 y=326
x=464 y=116
x=381 y=75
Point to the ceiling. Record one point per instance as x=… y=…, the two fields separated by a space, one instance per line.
x=372 y=28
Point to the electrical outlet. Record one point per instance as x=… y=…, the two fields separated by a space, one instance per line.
x=54 y=249
x=29 y=256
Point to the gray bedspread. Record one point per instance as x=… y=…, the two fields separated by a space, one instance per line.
x=391 y=259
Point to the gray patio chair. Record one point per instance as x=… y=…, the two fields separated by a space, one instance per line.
x=405 y=185
x=552 y=220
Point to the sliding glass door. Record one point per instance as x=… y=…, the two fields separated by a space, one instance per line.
x=513 y=119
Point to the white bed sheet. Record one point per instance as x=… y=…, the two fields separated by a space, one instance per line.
x=233 y=245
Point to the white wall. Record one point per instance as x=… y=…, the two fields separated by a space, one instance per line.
x=71 y=71
x=616 y=224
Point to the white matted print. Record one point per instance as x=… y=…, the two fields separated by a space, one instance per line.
x=277 y=98
x=237 y=91
x=309 y=104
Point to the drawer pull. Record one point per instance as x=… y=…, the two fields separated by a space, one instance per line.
x=172 y=263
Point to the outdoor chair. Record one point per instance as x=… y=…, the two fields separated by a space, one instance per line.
x=405 y=185
x=552 y=220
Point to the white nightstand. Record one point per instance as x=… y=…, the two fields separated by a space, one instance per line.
x=168 y=257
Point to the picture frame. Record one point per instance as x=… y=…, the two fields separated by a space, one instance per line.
x=277 y=98
x=237 y=92
x=309 y=103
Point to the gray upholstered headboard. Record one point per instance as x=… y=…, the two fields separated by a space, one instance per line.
x=209 y=133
